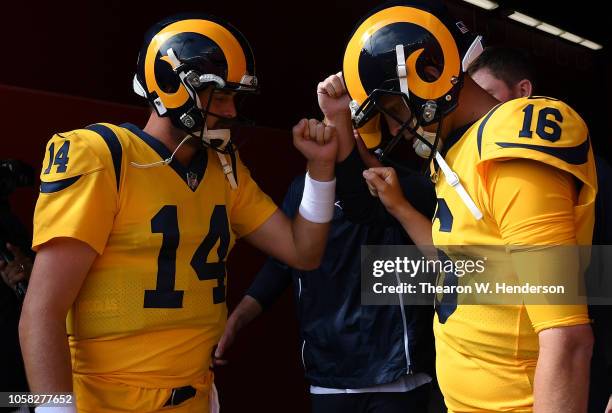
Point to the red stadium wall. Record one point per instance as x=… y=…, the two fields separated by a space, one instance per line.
x=30 y=117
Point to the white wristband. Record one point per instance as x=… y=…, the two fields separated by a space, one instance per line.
x=318 y=200
x=55 y=409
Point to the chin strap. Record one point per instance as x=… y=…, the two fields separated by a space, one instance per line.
x=402 y=73
x=420 y=147
x=218 y=139
x=227 y=170
x=453 y=180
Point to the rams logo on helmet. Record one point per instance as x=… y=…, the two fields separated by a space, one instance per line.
x=187 y=53
x=411 y=50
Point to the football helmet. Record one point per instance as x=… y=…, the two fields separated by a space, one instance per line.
x=186 y=53
x=183 y=55
x=413 y=50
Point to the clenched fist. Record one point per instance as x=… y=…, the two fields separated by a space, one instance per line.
x=384 y=184
x=333 y=97
x=316 y=141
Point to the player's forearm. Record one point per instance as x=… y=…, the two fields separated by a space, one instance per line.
x=344 y=128
x=309 y=232
x=46 y=355
x=322 y=171
x=416 y=225
x=309 y=239
x=562 y=376
x=244 y=313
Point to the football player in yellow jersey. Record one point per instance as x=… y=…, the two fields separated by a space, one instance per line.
x=133 y=227
x=513 y=175
x=507 y=73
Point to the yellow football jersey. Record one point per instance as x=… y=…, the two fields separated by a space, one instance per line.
x=153 y=304
x=486 y=354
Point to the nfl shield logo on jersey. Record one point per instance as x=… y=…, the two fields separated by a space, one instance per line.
x=192 y=180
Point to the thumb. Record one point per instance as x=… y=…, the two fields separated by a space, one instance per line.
x=220 y=349
x=375 y=178
x=321 y=89
x=298 y=129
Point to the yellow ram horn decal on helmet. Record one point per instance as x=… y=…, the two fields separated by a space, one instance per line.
x=234 y=55
x=452 y=66
x=418 y=86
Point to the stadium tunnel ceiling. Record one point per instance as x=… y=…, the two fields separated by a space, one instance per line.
x=89 y=48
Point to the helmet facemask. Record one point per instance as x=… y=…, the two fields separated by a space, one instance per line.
x=425 y=143
x=193 y=121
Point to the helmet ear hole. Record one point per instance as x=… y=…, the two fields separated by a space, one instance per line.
x=430 y=73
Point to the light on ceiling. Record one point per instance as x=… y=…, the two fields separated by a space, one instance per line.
x=485 y=4
x=591 y=45
x=523 y=18
x=554 y=30
x=571 y=37
x=548 y=28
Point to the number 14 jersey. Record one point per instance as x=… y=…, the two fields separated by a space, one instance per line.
x=153 y=304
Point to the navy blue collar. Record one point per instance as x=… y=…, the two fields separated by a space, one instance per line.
x=196 y=167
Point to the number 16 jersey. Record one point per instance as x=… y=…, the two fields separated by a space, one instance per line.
x=528 y=166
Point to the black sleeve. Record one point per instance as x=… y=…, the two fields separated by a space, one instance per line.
x=270 y=283
x=358 y=204
x=274 y=277
x=361 y=207
x=420 y=192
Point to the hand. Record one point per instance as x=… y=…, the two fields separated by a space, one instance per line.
x=17 y=270
x=609 y=406
x=384 y=184
x=316 y=141
x=225 y=342
x=333 y=98
x=243 y=314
